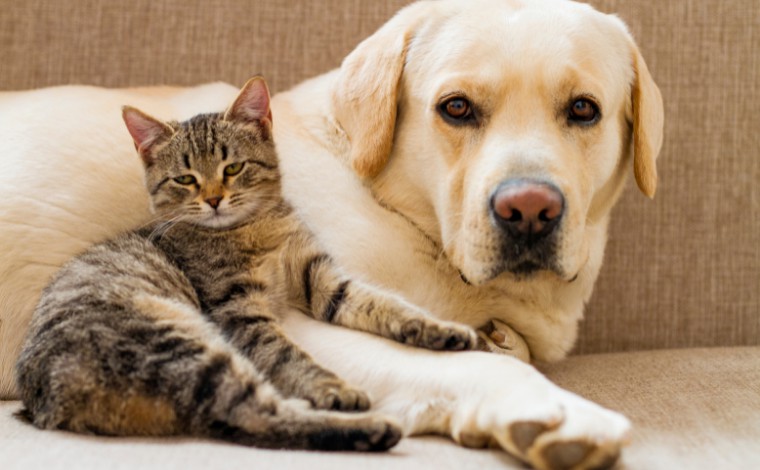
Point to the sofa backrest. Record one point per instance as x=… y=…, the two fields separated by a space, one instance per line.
x=682 y=270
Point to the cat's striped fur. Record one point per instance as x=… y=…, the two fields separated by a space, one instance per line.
x=172 y=329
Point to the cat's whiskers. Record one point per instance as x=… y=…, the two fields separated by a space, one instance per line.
x=150 y=222
x=161 y=229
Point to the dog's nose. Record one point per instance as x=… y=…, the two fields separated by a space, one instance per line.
x=527 y=208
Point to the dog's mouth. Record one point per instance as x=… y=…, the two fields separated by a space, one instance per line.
x=519 y=261
x=524 y=258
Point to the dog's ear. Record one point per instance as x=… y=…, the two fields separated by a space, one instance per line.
x=648 y=118
x=365 y=93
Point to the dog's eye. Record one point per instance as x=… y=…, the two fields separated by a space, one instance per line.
x=456 y=109
x=583 y=111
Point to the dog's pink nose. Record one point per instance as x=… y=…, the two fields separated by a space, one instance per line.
x=526 y=207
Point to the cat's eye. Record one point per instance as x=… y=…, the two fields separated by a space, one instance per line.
x=233 y=169
x=185 y=179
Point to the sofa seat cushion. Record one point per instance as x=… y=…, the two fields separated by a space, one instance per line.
x=691 y=408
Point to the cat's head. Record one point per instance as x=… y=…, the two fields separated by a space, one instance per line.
x=214 y=170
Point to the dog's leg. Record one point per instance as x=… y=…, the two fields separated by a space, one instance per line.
x=475 y=398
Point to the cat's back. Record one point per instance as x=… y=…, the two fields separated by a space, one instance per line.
x=106 y=279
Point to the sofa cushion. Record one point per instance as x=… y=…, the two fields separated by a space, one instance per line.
x=690 y=408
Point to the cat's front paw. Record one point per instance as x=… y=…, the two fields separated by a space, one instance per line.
x=437 y=335
x=338 y=396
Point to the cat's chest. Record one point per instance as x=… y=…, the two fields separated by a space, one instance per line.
x=249 y=248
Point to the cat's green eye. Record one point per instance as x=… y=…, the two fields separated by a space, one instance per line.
x=233 y=169
x=185 y=179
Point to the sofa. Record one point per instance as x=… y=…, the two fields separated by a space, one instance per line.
x=671 y=337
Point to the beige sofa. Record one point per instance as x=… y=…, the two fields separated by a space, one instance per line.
x=672 y=334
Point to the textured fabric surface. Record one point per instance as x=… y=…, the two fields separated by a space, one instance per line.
x=690 y=408
x=682 y=270
x=179 y=42
x=695 y=409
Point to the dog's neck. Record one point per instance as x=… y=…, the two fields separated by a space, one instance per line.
x=394 y=191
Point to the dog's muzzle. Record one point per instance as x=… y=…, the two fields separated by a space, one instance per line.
x=527 y=213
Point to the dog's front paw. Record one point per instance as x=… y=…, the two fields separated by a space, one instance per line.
x=545 y=427
x=498 y=337
x=437 y=335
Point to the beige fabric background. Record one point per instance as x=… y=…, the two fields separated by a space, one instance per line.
x=682 y=270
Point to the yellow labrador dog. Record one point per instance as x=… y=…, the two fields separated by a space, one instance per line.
x=466 y=156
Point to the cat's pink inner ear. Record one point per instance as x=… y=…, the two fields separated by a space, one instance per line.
x=251 y=104
x=145 y=130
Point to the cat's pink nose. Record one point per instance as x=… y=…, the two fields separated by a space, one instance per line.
x=214 y=201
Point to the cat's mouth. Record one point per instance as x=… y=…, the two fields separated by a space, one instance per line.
x=220 y=220
x=225 y=217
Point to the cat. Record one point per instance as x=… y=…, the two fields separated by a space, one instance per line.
x=173 y=328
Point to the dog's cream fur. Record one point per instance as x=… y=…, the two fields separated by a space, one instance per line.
x=398 y=196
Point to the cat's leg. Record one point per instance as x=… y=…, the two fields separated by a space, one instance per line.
x=327 y=294
x=249 y=325
x=170 y=372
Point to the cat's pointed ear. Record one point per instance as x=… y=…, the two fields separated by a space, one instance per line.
x=146 y=131
x=251 y=104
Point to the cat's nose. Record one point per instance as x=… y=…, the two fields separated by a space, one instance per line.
x=214 y=201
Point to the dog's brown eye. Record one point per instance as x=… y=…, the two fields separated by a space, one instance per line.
x=456 y=109
x=583 y=111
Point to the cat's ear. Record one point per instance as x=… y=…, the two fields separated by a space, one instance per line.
x=146 y=131
x=251 y=104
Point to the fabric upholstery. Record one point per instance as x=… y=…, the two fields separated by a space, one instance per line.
x=691 y=408
x=682 y=270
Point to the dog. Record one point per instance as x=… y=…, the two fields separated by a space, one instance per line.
x=466 y=156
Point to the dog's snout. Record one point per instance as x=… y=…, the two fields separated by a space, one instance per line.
x=527 y=208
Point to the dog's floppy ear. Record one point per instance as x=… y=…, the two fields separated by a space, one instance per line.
x=648 y=118
x=365 y=93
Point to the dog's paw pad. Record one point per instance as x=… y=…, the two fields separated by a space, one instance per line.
x=524 y=433
x=565 y=455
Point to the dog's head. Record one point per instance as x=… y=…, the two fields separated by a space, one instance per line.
x=507 y=127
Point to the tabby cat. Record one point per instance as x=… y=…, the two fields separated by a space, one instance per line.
x=173 y=328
